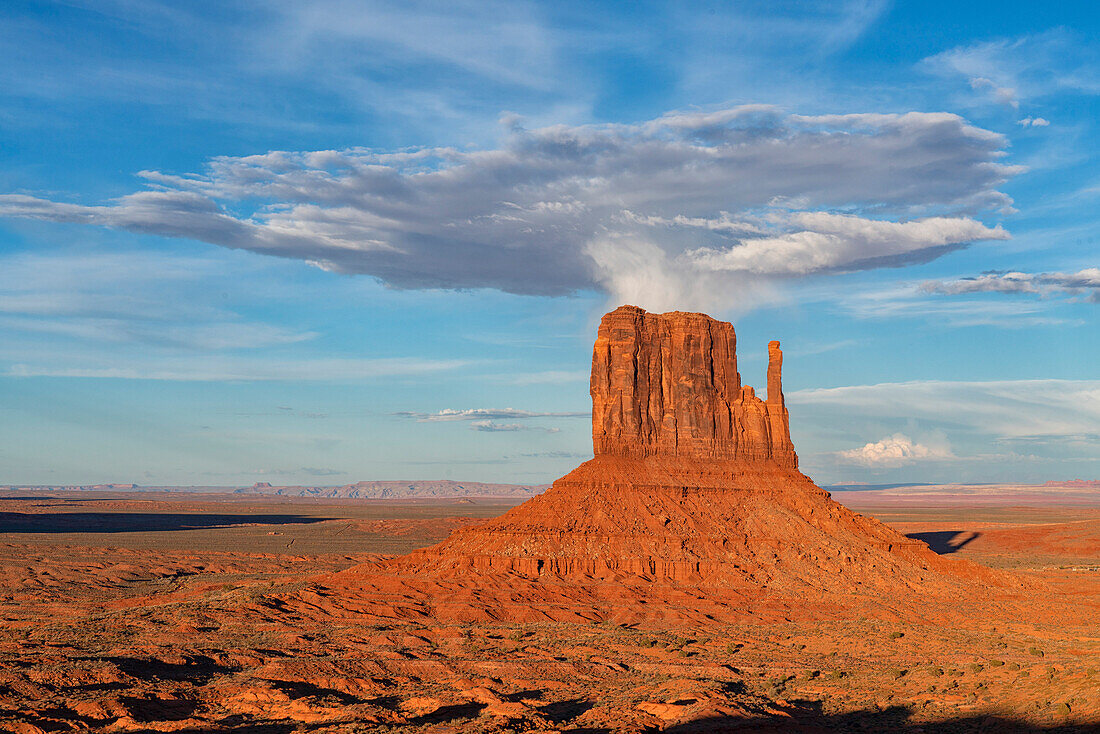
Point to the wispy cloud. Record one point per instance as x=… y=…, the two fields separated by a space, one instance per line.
x=1001 y=410
x=1011 y=71
x=494 y=427
x=485 y=414
x=911 y=300
x=309 y=471
x=1083 y=282
x=120 y=298
x=615 y=208
x=1003 y=95
x=224 y=369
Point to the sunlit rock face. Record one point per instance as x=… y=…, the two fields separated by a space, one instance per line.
x=692 y=508
x=668 y=385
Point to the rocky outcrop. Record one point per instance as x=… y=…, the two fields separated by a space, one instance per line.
x=668 y=385
x=694 y=486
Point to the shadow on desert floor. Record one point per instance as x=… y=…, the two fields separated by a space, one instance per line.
x=136 y=522
x=809 y=721
x=891 y=719
x=943 y=542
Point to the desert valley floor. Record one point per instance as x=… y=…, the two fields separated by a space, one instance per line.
x=145 y=612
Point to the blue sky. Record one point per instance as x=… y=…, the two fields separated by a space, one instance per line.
x=331 y=241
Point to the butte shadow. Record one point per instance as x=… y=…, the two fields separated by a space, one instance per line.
x=137 y=522
x=693 y=509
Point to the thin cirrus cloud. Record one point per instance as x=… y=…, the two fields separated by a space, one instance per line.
x=488 y=420
x=1017 y=410
x=692 y=209
x=484 y=414
x=131 y=297
x=1083 y=282
x=235 y=369
x=494 y=427
x=1030 y=68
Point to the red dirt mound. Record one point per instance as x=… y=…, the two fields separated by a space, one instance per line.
x=693 y=505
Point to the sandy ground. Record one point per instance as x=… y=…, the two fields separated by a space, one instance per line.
x=159 y=613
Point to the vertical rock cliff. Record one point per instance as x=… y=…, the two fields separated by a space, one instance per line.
x=668 y=385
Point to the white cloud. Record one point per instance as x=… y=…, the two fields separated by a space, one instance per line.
x=687 y=210
x=1086 y=281
x=1033 y=122
x=893 y=451
x=827 y=242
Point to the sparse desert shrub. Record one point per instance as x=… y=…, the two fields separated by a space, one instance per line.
x=977 y=667
x=648 y=642
x=996 y=663
x=733 y=648
x=1013 y=666
x=896 y=673
x=936 y=671
x=811 y=674
x=896 y=635
x=1035 y=651
x=836 y=675
x=1064 y=709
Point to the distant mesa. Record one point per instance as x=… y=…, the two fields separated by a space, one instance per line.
x=693 y=506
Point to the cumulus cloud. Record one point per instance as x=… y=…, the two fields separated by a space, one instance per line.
x=1033 y=122
x=692 y=209
x=1086 y=281
x=892 y=451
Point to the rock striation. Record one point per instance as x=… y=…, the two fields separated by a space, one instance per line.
x=692 y=501
x=668 y=385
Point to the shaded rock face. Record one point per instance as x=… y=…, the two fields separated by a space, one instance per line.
x=668 y=385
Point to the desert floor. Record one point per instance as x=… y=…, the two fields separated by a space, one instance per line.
x=140 y=612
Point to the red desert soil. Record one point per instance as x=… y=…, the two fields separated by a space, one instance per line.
x=689 y=578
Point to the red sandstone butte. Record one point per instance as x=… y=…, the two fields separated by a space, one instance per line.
x=693 y=494
x=668 y=385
